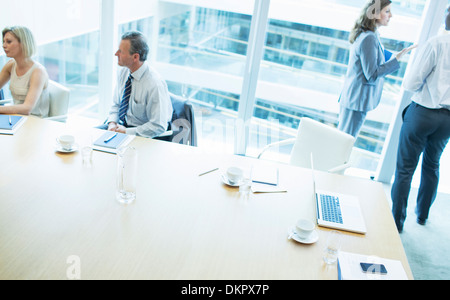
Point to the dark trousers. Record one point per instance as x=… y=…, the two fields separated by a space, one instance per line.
x=424 y=131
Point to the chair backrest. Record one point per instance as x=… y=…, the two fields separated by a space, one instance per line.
x=59 y=99
x=183 y=122
x=330 y=147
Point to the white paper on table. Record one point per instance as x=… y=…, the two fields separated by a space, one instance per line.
x=265 y=174
x=266 y=188
x=350 y=269
x=265 y=179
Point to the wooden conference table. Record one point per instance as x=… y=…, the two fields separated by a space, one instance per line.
x=181 y=226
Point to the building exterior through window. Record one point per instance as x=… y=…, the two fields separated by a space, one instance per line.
x=208 y=52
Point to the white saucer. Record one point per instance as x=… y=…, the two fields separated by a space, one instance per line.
x=59 y=148
x=314 y=237
x=227 y=181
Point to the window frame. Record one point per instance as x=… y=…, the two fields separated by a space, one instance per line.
x=386 y=167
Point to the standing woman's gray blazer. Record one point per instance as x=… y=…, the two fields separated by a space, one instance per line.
x=367 y=68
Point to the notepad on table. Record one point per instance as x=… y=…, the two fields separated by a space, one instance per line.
x=265 y=179
x=10 y=124
x=112 y=141
x=265 y=175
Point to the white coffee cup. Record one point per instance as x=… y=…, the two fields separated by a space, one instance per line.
x=304 y=228
x=234 y=174
x=66 y=141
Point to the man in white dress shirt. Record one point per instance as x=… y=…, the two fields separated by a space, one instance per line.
x=426 y=127
x=141 y=104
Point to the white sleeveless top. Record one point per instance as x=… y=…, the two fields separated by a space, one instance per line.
x=19 y=86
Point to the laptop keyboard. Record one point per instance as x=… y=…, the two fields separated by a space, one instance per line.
x=331 y=209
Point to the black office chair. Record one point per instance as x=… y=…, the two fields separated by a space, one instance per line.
x=182 y=127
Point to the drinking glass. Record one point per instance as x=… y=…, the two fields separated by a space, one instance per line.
x=332 y=247
x=126 y=175
x=86 y=155
x=245 y=189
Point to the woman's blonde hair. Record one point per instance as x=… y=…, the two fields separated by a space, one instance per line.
x=25 y=38
x=367 y=20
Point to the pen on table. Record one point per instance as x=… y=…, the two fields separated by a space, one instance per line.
x=110 y=138
x=213 y=170
x=10 y=121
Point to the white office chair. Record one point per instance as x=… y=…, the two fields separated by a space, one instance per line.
x=59 y=101
x=331 y=148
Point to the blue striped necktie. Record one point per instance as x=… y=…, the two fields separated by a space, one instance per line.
x=125 y=101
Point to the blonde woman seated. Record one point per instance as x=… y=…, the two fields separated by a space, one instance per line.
x=28 y=80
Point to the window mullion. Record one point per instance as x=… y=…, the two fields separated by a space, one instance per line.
x=254 y=55
x=107 y=63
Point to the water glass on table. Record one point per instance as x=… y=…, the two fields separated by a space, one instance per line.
x=245 y=188
x=332 y=247
x=127 y=164
x=86 y=155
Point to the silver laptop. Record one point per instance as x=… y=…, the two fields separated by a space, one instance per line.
x=338 y=211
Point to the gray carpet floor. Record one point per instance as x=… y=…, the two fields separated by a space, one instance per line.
x=427 y=247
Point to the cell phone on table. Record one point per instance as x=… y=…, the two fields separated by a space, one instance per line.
x=373 y=268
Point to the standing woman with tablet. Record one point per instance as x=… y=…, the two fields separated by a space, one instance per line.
x=368 y=65
x=28 y=80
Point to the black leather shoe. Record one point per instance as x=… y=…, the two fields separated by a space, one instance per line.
x=421 y=221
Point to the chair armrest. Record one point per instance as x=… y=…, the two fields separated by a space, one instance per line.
x=6 y=101
x=62 y=118
x=280 y=143
x=339 y=169
x=167 y=133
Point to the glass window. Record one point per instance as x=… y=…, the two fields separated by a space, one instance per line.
x=69 y=51
x=5 y=93
x=73 y=62
x=303 y=70
x=202 y=52
x=200 y=48
x=130 y=18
